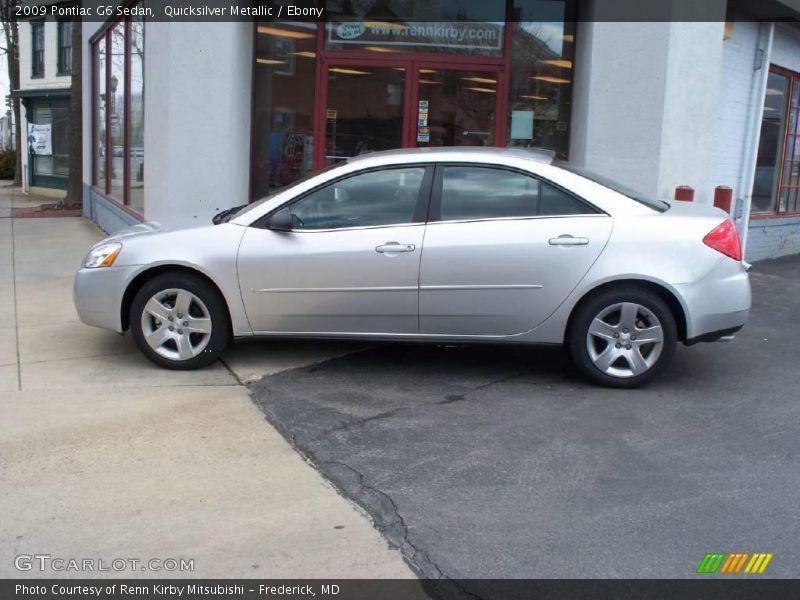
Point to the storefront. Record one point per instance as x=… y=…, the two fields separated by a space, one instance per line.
x=490 y=74
x=47 y=117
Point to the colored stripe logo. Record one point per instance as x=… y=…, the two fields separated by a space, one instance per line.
x=734 y=562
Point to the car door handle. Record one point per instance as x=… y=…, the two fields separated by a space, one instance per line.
x=393 y=247
x=568 y=240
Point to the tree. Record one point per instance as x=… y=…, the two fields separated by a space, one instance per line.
x=11 y=51
x=74 y=197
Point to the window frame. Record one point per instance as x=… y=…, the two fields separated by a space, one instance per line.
x=420 y=211
x=61 y=49
x=435 y=209
x=103 y=35
x=37 y=25
x=793 y=80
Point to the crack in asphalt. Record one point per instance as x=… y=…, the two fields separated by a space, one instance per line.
x=448 y=399
x=379 y=505
x=382 y=509
x=350 y=483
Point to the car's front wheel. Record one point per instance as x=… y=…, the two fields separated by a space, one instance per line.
x=179 y=321
x=622 y=338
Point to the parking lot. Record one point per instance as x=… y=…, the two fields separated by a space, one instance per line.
x=498 y=462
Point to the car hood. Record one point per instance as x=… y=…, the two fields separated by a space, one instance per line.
x=138 y=230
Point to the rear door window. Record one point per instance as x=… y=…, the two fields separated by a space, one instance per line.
x=472 y=192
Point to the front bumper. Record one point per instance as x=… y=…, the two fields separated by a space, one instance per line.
x=97 y=294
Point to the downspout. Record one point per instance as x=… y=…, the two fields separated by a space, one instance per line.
x=758 y=91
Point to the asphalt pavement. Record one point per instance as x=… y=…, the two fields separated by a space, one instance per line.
x=500 y=462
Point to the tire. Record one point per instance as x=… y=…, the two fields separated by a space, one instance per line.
x=622 y=337
x=194 y=342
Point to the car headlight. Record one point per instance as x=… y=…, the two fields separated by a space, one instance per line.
x=103 y=255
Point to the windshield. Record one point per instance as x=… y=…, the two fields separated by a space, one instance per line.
x=294 y=184
x=653 y=203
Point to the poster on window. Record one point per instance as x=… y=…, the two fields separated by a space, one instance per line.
x=40 y=139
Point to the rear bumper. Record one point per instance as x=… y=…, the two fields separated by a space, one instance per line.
x=718 y=304
x=714 y=336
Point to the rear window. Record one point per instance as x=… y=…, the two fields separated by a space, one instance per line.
x=653 y=203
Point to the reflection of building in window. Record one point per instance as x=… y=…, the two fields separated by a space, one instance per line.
x=776 y=187
x=118 y=113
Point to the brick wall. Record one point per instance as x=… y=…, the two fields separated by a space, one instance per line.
x=771 y=238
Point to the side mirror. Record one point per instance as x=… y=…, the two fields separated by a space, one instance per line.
x=281 y=220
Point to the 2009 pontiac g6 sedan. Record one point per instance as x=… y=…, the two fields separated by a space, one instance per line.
x=446 y=245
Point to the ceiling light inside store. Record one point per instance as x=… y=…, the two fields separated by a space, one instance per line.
x=480 y=89
x=558 y=62
x=569 y=38
x=480 y=79
x=774 y=92
x=430 y=81
x=344 y=71
x=280 y=32
x=533 y=97
x=379 y=49
x=270 y=61
x=550 y=79
x=306 y=54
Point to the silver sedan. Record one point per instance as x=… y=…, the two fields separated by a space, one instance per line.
x=446 y=245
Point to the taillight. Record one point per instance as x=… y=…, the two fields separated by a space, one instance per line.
x=724 y=238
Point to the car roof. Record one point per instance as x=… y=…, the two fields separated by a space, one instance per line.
x=457 y=153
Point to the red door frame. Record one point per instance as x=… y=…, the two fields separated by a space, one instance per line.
x=412 y=62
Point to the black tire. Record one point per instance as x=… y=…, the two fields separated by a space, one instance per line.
x=621 y=373
x=210 y=302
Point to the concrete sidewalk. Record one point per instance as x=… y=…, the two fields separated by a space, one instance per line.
x=104 y=456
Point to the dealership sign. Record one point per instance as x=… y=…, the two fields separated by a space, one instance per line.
x=460 y=35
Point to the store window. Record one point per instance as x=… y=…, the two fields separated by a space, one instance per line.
x=118 y=108
x=776 y=187
x=542 y=52
x=99 y=105
x=136 y=117
x=37 y=49
x=283 y=113
x=64 y=59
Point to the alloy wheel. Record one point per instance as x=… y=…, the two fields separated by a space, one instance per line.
x=625 y=339
x=176 y=324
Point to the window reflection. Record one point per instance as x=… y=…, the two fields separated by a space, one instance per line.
x=116 y=108
x=136 y=118
x=283 y=121
x=542 y=51
x=770 y=145
x=364 y=112
x=100 y=114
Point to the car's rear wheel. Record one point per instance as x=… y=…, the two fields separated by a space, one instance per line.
x=179 y=321
x=622 y=337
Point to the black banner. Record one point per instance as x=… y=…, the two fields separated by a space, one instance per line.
x=360 y=589
x=386 y=11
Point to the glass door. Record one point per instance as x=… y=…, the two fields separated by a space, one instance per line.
x=455 y=107
x=368 y=105
x=364 y=109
